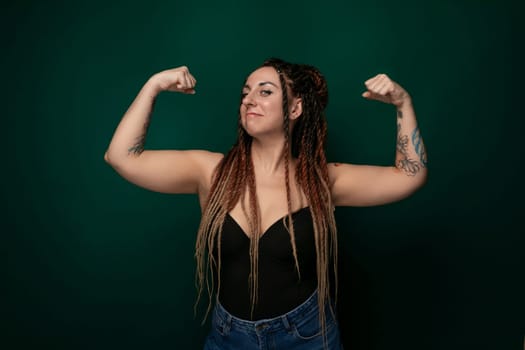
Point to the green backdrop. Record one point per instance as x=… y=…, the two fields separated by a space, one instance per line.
x=94 y=262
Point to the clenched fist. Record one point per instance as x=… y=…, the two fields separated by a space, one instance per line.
x=176 y=79
x=384 y=89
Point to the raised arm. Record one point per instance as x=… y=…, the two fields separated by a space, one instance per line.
x=167 y=171
x=367 y=185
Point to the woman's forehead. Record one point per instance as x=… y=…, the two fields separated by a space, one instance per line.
x=263 y=74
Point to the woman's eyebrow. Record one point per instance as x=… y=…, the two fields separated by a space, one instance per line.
x=261 y=84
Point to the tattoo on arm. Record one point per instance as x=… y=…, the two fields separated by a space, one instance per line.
x=399 y=114
x=138 y=147
x=419 y=146
x=410 y=166
x=402 y=141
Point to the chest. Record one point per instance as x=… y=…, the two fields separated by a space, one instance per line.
x=274 y=246
x=273 y=203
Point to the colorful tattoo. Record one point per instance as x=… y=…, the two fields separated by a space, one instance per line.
x=419 y=146
x=409 y=166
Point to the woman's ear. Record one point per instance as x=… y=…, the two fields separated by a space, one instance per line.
x=297 y=108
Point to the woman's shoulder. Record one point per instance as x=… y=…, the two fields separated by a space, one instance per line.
x=207 y=155
x=208 y=159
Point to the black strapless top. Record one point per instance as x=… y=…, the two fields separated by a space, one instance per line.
x=280 y=289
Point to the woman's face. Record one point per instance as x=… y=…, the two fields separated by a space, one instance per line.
x=261 y=106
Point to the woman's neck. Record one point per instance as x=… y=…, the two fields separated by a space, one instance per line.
x=268 y=156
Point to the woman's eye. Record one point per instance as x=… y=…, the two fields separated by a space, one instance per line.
x=266 y=92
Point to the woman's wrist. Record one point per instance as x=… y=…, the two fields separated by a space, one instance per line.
x=404 y=103
x=153 y=86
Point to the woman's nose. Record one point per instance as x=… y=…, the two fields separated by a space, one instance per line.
x=248 y=100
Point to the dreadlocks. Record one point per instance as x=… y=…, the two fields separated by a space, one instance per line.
x=234 y=178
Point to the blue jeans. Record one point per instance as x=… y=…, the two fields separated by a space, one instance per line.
x=297 y=329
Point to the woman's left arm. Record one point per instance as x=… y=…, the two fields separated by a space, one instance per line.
x=366 y=185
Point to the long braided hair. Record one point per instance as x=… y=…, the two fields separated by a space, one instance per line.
x=234 y=178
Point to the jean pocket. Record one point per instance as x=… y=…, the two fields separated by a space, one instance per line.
x=220 y=326
x=311 y=328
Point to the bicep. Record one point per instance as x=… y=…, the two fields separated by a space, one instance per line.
x=169 y=171
x=368 y=185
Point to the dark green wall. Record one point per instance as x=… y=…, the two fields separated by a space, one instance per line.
x=93 y=262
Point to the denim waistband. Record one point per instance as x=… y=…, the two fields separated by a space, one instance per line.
x=295 y=316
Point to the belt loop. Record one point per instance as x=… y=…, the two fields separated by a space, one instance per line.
x=228 y=323
x=286 y=323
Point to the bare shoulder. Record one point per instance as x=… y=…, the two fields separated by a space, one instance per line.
x=207 y=160
x=335 y=169
x=338 y=171
x=208 y=163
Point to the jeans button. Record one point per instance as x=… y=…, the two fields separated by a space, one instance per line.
x=261 y=326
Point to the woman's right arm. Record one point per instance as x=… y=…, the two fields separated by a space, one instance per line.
x=166 y=171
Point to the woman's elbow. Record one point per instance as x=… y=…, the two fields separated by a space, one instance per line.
x=422 y=178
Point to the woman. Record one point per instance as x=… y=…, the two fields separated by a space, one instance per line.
x=266 y=246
